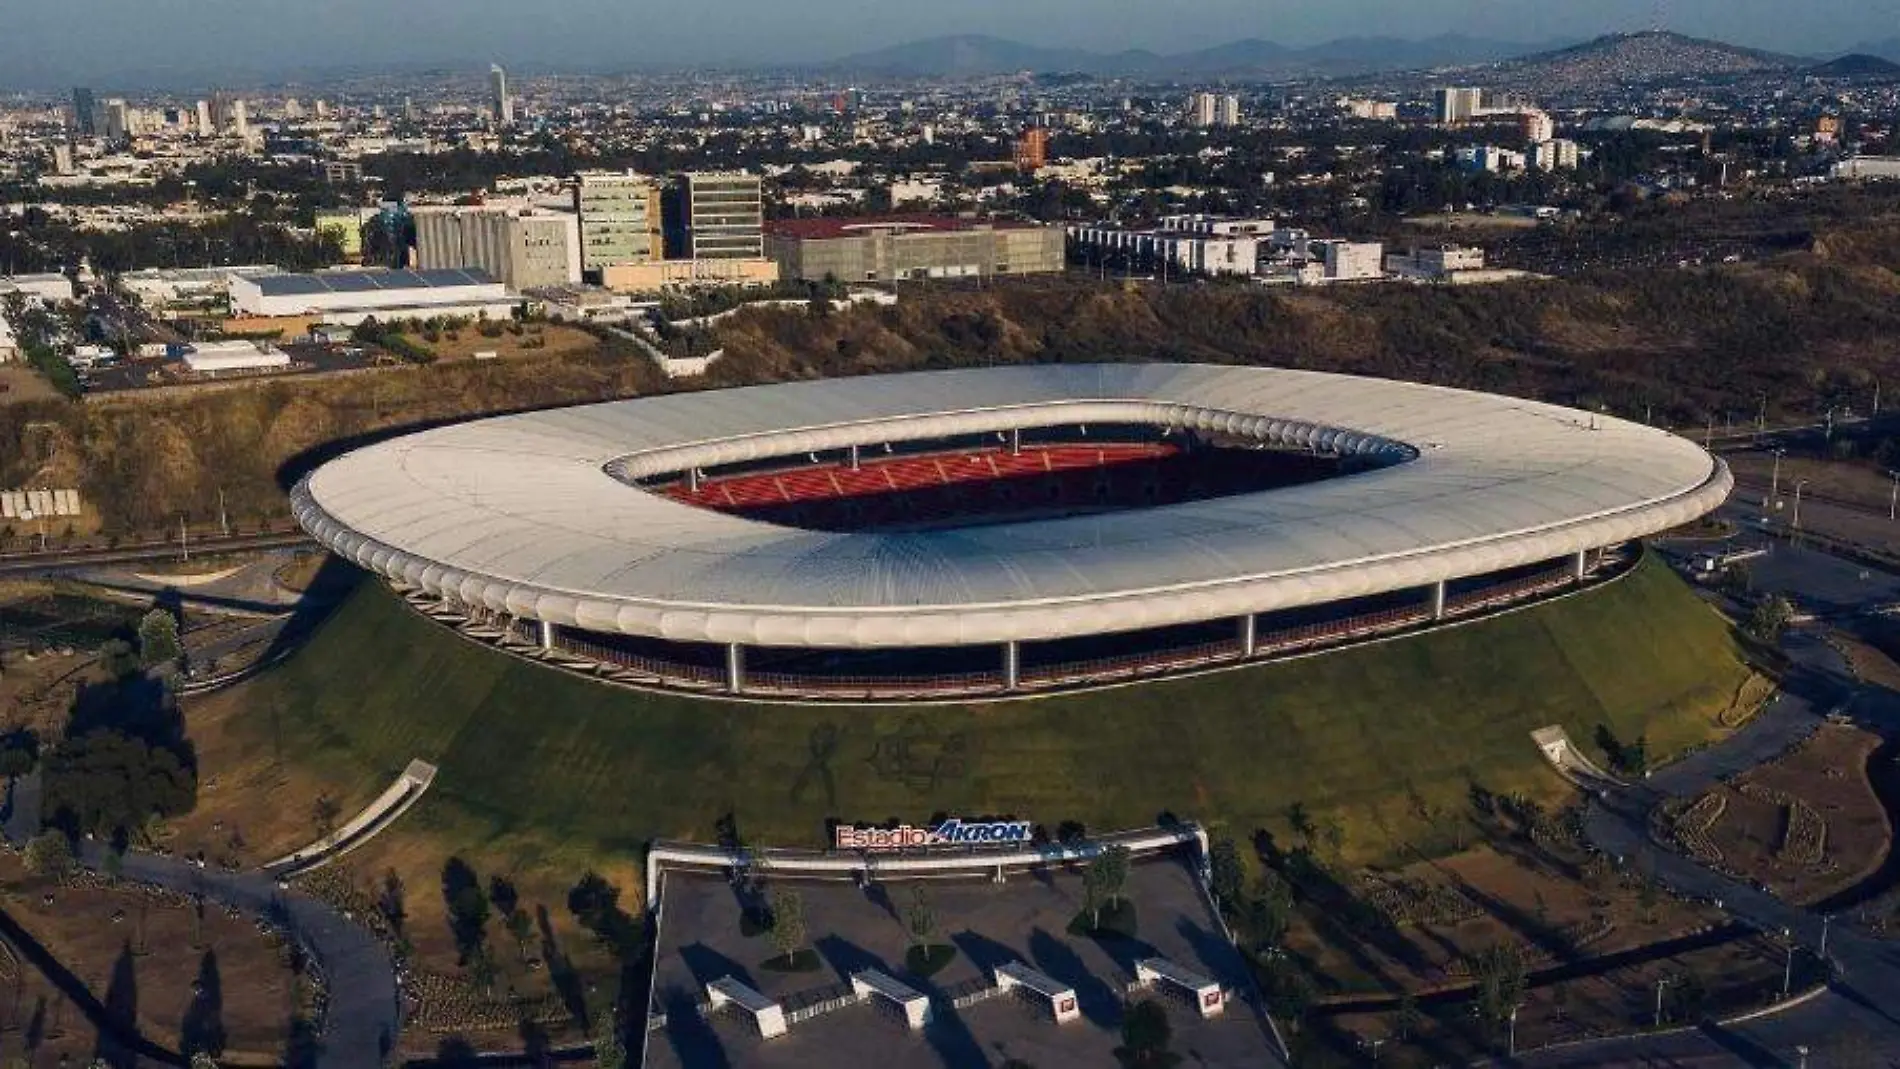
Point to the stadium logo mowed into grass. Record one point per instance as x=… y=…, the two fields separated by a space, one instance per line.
x=952 y=832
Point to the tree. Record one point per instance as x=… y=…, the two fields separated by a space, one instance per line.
x=788 y=924
x=158 y=639
x=1145 y=1038
x=1409 y=1016
x=49 y=854
x=609 y=1051
x=920 y=917
x=1769 y=618
x=1103 y=880
x=467 y=909
x=105 y=782
x=390 y=902
x=118 y=658
x=1225 y=873
x=19 y=752
x=1499 y=970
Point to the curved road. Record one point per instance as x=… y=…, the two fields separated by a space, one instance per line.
x=364 y=1013
x=1864 y=1000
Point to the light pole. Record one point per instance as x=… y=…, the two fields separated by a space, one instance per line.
x=1826 y=919
x=1761 y=416
x=1787 y=971
x=1373 y=1046
x=1803 y=1052
x=1893 y=499
x=1774 y=481
x=1660 y=984
x=1798 y=484
x=1513 y=1049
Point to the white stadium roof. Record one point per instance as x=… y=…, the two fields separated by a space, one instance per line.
x=535 y=515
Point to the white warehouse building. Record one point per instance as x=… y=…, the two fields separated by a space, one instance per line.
x=350 y=297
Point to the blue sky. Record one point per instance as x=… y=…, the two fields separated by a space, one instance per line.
x=101 y=41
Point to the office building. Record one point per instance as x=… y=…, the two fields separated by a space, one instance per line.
x=619 y=220
x=62 y=158
x=524 y=248
x=1031 y=150
x=1351 y=261
x=716 y=216
x=905 y=247
x=499 y=100
x=1361 y=108
x=1867 y=167
x=240 y=120
x=1458 y=104
x=339 y=172
x=84 y=122
x=1181 y=244
x=1436 y=264
x=206 y=128
x=118 y=120
x=658 y=276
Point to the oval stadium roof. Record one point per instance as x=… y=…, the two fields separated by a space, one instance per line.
x=537 y=515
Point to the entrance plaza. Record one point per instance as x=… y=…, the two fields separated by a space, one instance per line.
x=1019 y=926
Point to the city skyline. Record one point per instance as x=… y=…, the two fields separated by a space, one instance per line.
x=165 y=42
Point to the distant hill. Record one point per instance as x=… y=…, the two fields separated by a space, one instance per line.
x=1633 y=58
x=975 y=55
x=1855 y=65
x=1888 y=48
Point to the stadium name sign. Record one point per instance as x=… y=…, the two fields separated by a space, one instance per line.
x=953 y=832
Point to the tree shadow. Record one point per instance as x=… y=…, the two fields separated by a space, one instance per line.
x=1098 y=1000
x=846 y=957
x=707 y=965
x=694 y=1040
x=561 y=972
x=121 y=1011
x=203 y=1027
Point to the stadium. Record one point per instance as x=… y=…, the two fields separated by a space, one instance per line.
x=1000 y=532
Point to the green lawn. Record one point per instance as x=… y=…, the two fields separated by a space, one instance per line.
x=545 y=766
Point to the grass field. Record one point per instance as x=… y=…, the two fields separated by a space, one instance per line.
x=1378 y=738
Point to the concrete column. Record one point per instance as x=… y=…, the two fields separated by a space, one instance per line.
x=1015 y=441
x=692 y=479
x=1249 y=635
x=1438 y=600
x=1578 y=564
x=1012 y=665
x=547 y=634
x=735 y=668
x=854 y=458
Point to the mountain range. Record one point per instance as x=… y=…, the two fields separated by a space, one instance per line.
x=975 y=55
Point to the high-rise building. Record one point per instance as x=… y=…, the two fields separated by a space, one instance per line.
x=619 y=219
x=118 y=124
x=1032 y=149
x=206 y=128
x=62 y=158
x=500 y=101
x=1456 y=104
x=716 y=216
x=524 y=248
x=1213 y=109
x=240 y=120
x=84 y=122
x=1536 y=126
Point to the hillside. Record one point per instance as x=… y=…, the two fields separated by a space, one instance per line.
x=1679 y=346
x=537 y=761
x=1634 y=58
x=975 y=55
x=1858 y=65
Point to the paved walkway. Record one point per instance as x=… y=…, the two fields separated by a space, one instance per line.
x=364 y=1014
x=1865 y=996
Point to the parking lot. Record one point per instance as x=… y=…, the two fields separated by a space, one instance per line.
x=1024 y=920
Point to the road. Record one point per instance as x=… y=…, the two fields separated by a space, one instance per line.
x=1863 y=1005
x=364 y=1014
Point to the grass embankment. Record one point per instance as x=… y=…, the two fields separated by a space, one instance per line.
x=534 y=761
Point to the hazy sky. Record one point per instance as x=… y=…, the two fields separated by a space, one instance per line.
x=104 y=42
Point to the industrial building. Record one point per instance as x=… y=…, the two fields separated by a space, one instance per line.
x=1868 y=167
x=163 y=290
x=903 y=247
x=716 y=216
x=213 y=358
x=523 y=247
x=619 y=220
x=350 y=297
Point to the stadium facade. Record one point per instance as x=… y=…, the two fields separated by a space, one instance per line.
x=993 y=532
